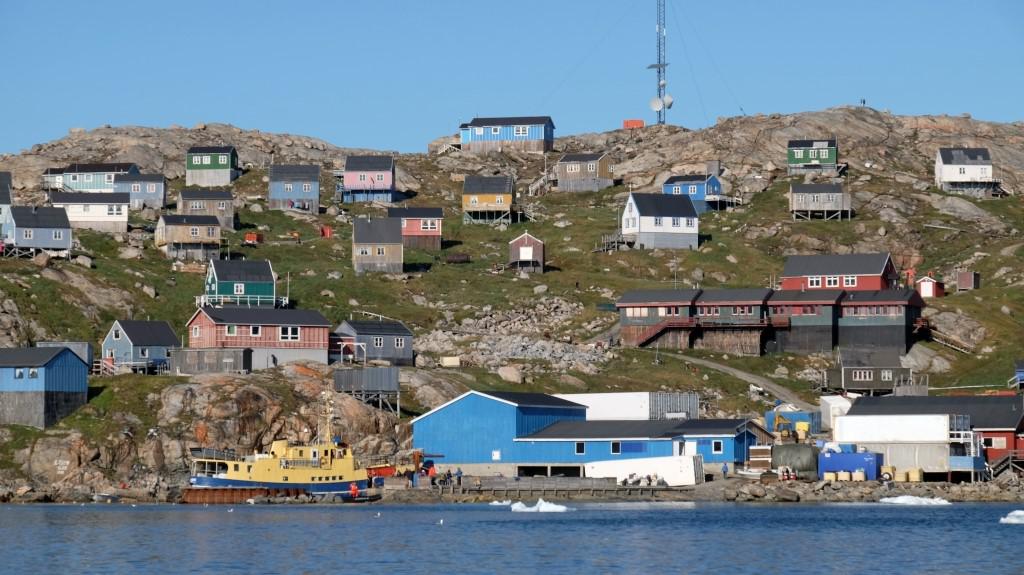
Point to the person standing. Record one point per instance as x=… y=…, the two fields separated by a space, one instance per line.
x=458 y=476
x=725 y=470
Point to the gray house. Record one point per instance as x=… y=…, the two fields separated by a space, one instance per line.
x=6 y=201
x=144 y=190
x=377 y=245
x=370 y=340
x=206 y=202
x=139 y=345
x=819 y=201
x=873 y=371
x=36 y=228
x=660 y=221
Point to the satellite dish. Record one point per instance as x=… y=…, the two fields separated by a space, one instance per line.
x=661 y=83
x=656 y=104
x=668 y=101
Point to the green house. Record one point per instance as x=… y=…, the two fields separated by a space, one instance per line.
x=211 y=166
x=240 y=282
x=811 y=156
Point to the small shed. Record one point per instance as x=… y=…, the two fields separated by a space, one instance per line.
x=930 y=287
x=966 y=281
x=526 y=253
x=375 y=386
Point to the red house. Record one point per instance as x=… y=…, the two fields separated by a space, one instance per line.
x=849 y=272
x=274 y=335
x=421 y=227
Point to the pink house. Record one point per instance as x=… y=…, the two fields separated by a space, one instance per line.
x=421 y=227
x=274 y=335
x=368 y=179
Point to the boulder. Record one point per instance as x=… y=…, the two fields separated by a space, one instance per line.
x=510 y=373
x=785 y=494
x=84 y=261
x=129 y=253
x=327 y=293
x=572 y=381
x=255 y=208
x=149 y=290
x=753 y=490
x=42 y=259
x=540 y=289
x=921 y=358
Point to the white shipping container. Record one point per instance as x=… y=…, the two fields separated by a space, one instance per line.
x=891 y=429
x=833 y=406
x=675 y=470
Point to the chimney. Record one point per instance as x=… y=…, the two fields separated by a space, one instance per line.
x=713 y=168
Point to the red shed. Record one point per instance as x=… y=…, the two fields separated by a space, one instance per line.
x=526 y=253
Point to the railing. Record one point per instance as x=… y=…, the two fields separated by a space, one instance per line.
x=656 y=329
x=217 y=454
x=244 y=300
x=300 y=463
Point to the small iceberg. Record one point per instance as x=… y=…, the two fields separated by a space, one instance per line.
x=504 y=503
x=541 y=507
x=913 y=500
x=1014 y=518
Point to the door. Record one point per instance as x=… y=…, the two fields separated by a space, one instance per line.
x=526 y=253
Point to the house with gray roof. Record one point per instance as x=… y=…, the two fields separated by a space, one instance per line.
x=294 y=187
x=95 y=177
x=368 y=179
x=211 y=166
x=99 y=211
x=138 y=345
x=498 y=134
x=820 y=201
x=873 y=371
x=659 y=221
x=240 y=282
x=377 y=245
x=34 y=228
x=195 y=238
x=144 y=190
x=208 y=202
x=39 y=386
x=850 y=272
x=274 y=336
x=374 y=340
x=583 y=172
x=966 y=171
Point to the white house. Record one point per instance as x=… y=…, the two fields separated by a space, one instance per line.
x=660 y=221
x=965 y=171
x=104 y=212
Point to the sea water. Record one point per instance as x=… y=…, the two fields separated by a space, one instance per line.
x=458 y=539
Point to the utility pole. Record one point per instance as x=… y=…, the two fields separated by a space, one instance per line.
x=661 y=102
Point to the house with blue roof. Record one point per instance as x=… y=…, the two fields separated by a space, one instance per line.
x=39 y=386
x=521 y=133
x=706 y=191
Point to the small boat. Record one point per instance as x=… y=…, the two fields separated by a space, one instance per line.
x=105 y=498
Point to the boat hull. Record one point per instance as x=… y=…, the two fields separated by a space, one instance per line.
x=342 y=488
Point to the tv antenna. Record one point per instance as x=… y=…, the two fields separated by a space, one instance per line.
x=662 y=102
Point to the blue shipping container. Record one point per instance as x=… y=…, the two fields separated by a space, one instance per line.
x=870 y=463
x=812 y=417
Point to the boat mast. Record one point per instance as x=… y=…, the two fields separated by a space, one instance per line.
x=326 y=418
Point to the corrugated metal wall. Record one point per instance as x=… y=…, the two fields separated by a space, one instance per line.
x=666 y=402
x=370 y=379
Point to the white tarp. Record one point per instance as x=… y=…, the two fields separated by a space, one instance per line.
x=674 y=470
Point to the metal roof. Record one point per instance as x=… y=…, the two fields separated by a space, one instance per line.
x=986 y=412
x=210 y=150
x=139 y=178
x=243 y=271
x=205 y=194
x=965 y=156
x=609 y=429
x=487 y=185
x=54 y=171
x=372 y=327
x=89 y=198
x=508 y=121
x=528 y=399
x=869 y=357
x=712 y=426
x=28 y=356
x=369 y=163
x=806 y=296
x=423 y=212
x=728 y=295
x=377 y=231
x=294 y=172
x=5 y=188
x=834 y=264
x=686 y=178
x=812 y=143
x=899 y=295
x=265 y=316
x=664 y=205
x=39 y=217
x=94 y=168
x=581 y=157
x=816 y=188
x=189 y=220
x=659 y=296
x=146 y=333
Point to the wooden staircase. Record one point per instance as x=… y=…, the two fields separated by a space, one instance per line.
x=659 y=328
x=951 y=342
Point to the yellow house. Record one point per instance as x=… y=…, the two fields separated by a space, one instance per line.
x=488 y=199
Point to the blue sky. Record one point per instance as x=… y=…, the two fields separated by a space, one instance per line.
x=394 y=75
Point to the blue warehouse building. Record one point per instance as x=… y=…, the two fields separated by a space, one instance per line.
x=40 y=385
x=527 y=434
x=522 y=133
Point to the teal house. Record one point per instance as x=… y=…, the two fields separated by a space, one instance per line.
x=95 y=177
x=240 y=282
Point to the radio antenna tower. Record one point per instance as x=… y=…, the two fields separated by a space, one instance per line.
x=662 y=102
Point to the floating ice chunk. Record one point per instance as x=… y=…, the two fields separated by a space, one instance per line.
x=1014 y=518
x=913 y=500
x=541 y=507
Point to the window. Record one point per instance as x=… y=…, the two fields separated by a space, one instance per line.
x=195 y=331
x=88 y=178
x=676 y=190
x=223 y=160
x=144 y=352
x=823 y=154
x=675 y=222
x=58 y=234
x=886 y=375
x=231 y=330
x=307 y=187
x=815 y=198
x=690 y=222
x=478 y=131
x=799 y=154
x=26 y=234
x=428 y=225
x=717 y=446
x=616 y=448
x=197 y=205
x=255 y=330
x=495 y=131
x=362 y=177
x=136 y=187
x=381 y=250
x=239 y=289
x=289 y=333
x=581 y=448
x=74 y=177
x=591 y=167
x=33 y=372
x=862 y=375
x=206 y=160
x=832 y=281
x=499 y=200
x=399 y=343
x=287 y=187
x=473 y=200
x=151 y=188
x=19 y=373
x=830 y=198
x=572 y=168
x=364 y=251
x=963 y=171
x=222 y=206
x=378 y=342
x=193 y=232
x=849 y=281
x=636 y=312
x=814 y=281
x=812 y=154
x=692 y=190
x=380 y=177
x=994 y=442
x=117 y=335
x=657 y=222
x=520 y=130
x=108 y=178
x=211 y=232
x=743 y=310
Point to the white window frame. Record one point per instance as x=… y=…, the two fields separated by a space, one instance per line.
x=195 y=331
x=231 y=330
x=364 y=251
x=676 y=222
x=108 y=178
x=150 y=188
x=136 y=188
x=74 y=177
x=222 y=159
x=473 y=200
x=581 y=448
x=381 y=251
x=193 y=232
x=116 y=334
x=144 y=352
x=692 y=190
x=26 y=234
x=657 y=221
x=58 y=234
x=677 y=190
x=362 y=177
x=380 y=177
x=222 y=206
x=19 y=373
x=823 y=154
x=33 y=373
x=289 y=333
x=814 y=281
x=197 y=205
x=849 y=281
x=478 y=131
x=378 y=341
x=206 y=160
x=720 y=449
x=287 y=187
x=831 y=281
x=572 y=168
x=885 y=375
x=521 y=131
x=307 y=187
x=87 y=178
x=239 y=289
x=428 y=225
x=211 y=231
x=591 y=166
x=798 y=154
x=812 y=154
x=615 y=448
x=255 y=330
x=495 y=130
x=399 y=343
x=690 y=222
x=499 y=200
x=862 y=375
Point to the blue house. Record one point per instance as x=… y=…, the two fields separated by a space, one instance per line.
x=523 y=133
x=35 y=228
x=95 y=177
x=294 y=187
x=6 y=200
x=41 y=385
x=720 y=440
x=138 y=345
x=144 y=190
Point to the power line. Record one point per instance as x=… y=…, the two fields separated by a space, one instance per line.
x=718 y=72
x=689 y=64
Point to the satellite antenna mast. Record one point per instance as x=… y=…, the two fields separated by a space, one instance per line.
x=662 y=102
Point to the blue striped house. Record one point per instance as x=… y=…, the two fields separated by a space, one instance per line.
x=144 y=190
x=95 y=177
x=523 y=133
x=40 y=385
x=294 y=187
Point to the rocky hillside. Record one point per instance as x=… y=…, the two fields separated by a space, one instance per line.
x=512 y=332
